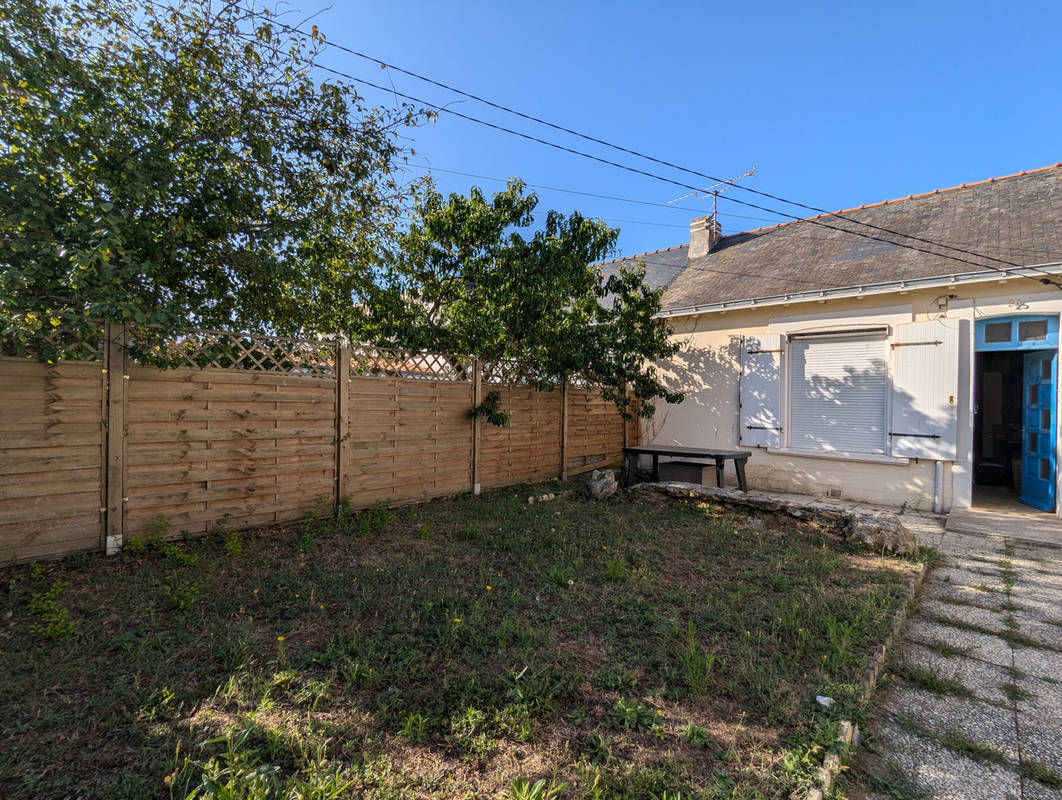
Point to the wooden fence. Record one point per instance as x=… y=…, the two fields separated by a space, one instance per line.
x=95 y=452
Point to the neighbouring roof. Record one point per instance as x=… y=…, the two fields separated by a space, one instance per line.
x=1017 y=218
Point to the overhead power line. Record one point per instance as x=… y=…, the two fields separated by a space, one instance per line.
x=635 y=170
x=629 y=151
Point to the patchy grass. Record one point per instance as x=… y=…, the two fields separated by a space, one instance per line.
x=933 y=680
x=618 y=649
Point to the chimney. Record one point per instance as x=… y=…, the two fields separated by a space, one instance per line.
x=704 y=235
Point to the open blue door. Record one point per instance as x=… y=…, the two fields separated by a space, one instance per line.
x=1038 y=447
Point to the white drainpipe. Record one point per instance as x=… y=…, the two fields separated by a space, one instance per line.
x=938 y=486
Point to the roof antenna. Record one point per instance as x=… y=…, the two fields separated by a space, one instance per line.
x=715 y=190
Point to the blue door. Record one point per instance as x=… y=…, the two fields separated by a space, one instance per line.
x=1038 y=447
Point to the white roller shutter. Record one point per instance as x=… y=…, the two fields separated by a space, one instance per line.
x=760 y=423
x=925 y=388
x=838 y=393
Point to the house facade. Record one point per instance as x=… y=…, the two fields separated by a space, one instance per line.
x=923 y=376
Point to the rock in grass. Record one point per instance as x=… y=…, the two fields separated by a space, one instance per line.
x=602 y=484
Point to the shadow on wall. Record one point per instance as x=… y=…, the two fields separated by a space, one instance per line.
x=855 y=409
x=709 y=413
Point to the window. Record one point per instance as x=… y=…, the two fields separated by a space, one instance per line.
x=997 y=332
x=838 y=388
x=1033 y=331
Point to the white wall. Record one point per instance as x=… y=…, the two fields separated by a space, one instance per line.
x=708 y=370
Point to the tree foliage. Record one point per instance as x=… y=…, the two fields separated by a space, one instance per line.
x=466 y=280
x=183 y=167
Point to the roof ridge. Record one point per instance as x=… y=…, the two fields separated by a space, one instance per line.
x=898 y=199
x=638 y=255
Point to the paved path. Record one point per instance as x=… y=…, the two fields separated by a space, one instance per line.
x=975 y=710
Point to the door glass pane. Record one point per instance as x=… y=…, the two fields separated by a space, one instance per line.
x=997 y=332
x=1045 y=419
x=1045 y=469
x=1032 y=331
x=1034 y=442
x=1045 y=369
x=1034 y=394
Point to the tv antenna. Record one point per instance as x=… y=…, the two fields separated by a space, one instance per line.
x=714 y=190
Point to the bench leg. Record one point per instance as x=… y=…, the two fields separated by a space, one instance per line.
x=656 y=468
x=632 y=462
x=719 y=462
x=739 y=465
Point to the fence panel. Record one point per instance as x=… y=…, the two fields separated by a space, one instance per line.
x=595 y=431
x=529 y=449
x=203 y=445
x=51 y=458
x=410 y=439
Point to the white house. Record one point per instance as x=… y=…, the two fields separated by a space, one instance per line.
x=856 y=368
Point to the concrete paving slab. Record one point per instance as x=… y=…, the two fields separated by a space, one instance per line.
x=1031 y=790
x=982 y=679
x=1038 y=609
x=982 y=617
x=948 y=775
x=1040 y=723
x=974 y=719
x=961 y=576
x=964 y=595
x=987 y=648
x=1050 y=636
x=1044 y=664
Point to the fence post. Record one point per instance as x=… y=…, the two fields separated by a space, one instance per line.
x=342 y=423
x=477 y=391
x=116 y=364
x=564 y=430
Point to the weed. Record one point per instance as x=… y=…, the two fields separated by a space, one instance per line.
x=307 y=538
x=696 y=736
x=183 y=594
x=135 y=547
x=157 y=530
x=1041 y=773
x=55 y=621
x=471 y=532
x=469 y=733
x=598 y=749
x=558 y=576
x=313 y=692
x=946 y=649
x=539 y=790
x=616 y=570
x=616 y=679
x=632 y=715
x=233 y=545
x=925 y=554
x=1014 y=692
x=839 y=635
x=414 y=729
x=697 y=663
x=931 y=680
x=424 y=531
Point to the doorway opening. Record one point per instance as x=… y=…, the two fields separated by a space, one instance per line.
x=1015 y=373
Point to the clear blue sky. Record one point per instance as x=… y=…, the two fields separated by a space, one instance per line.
x=836 y=104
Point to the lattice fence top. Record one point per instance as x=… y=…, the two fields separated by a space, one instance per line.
x=58 y=345
x=380 y=362
x=504 y=371
x=254 y=352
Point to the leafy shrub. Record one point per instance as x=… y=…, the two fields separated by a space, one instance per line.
x=55 y=622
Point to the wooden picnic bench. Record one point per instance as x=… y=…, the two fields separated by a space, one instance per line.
x=718 y=457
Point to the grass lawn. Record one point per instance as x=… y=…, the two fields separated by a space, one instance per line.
x=625 y=649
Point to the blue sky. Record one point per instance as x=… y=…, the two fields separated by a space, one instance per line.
x=835 y=104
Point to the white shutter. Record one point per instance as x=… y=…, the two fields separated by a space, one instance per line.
x=925 y=388
x=838 y=388
x=760 y=423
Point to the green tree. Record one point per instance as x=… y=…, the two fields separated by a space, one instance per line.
x=466 y=280
x=184 y=167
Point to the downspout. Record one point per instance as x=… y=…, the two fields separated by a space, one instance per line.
x=938 y=487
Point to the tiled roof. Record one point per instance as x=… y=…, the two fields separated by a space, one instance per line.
x=1017 y=218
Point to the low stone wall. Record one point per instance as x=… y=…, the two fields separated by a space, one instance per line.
x=881 y=531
